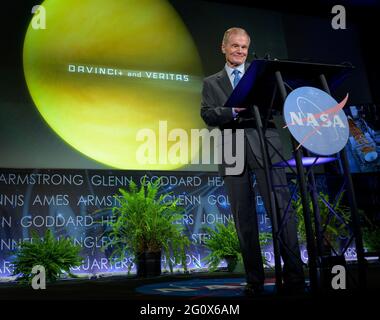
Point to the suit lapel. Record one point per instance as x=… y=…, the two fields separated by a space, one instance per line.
x=224 y=82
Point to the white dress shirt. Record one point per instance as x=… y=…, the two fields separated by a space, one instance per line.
x=231 y=76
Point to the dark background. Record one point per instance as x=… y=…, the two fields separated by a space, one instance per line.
x=308 y=38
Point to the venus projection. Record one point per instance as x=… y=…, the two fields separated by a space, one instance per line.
x=102 y=71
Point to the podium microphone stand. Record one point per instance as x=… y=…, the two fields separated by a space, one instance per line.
x=265 y=79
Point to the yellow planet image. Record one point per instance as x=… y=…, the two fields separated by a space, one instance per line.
x=102 y=72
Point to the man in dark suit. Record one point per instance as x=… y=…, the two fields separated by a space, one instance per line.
x=216 y=90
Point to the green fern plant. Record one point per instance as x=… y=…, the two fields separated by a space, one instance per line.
x=223 y=244
x=371 y=238
x=371 y=233
x=144 y=222
x=57 y=256
x=334 y=227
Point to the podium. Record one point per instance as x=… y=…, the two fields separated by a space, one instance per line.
x=263 y=82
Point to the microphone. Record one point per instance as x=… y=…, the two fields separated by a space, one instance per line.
x=267 y=56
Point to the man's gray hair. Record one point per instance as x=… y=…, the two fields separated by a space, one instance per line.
x=234 y=30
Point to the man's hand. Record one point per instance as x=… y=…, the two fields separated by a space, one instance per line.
x=237 y=110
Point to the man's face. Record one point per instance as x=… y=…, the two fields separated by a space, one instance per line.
x=236 y=49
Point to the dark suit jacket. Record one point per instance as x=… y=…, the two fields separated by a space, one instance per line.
x=216 y=90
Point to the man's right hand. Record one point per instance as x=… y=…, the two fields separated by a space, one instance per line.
x=237 y=110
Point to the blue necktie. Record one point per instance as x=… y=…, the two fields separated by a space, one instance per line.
x=236 y=74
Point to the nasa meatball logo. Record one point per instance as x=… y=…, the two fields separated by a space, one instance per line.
x=316 y=120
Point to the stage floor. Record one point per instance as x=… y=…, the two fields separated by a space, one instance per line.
x=216 y=295
x=193 y=286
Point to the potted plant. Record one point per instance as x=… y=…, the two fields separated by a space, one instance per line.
x=335 y=227
x=144 y=224
x=223 y=244
x=57 y=256
x=371 y=234
x=371 y=238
